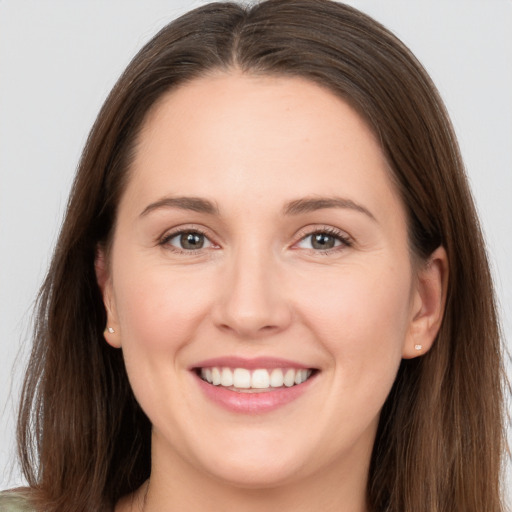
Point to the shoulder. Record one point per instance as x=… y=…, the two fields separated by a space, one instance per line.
x=15 y=501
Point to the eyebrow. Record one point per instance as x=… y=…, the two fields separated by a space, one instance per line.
x=296 y=207
x=195 y=204
x=310 y=204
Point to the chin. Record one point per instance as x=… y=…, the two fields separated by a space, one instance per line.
x=260 y=466
x=256 y=474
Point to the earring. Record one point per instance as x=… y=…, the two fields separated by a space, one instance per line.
x=418 y=347
x=110 y=330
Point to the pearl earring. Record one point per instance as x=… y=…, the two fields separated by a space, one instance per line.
x=111 y=330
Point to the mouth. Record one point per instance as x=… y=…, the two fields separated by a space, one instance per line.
x=253 y=386
x=246 y=380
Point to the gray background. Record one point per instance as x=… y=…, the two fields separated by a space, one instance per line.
x=58 y=60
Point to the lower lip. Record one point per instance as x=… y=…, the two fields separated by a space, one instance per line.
x=255 y=402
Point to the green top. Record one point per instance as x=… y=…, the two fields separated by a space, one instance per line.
x=13 y=501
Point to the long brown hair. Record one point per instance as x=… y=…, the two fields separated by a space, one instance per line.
x=84 y=441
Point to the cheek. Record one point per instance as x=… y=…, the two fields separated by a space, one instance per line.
x=361 y=316
x=159 y=308
x=159 y=311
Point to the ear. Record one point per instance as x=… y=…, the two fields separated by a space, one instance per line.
x=429 y=298
x=112 y=331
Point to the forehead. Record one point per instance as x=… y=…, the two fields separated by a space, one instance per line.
x=255 y=137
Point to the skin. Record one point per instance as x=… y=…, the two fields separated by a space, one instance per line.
x=258 y=287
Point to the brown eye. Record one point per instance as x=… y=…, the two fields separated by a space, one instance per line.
x=323 y=241
x=191 y=241
x=188 y=241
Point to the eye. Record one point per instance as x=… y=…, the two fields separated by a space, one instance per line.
x=323 y=240
x=187 y=241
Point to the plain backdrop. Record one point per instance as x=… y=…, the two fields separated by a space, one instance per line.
x=59 y=59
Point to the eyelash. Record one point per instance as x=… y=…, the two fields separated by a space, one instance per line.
x=338 y=235
x=326 y=230
x=164 y=242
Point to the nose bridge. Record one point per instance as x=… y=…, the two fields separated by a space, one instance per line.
x=253 y=301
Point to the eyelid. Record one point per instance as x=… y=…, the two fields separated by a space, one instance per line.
x=171 y=233
x=345 y=239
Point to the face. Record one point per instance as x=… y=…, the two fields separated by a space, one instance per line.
x=260 y=283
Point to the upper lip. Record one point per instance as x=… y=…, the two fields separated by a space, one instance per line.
x=249 y=363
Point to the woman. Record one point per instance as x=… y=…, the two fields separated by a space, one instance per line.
x=261 y=294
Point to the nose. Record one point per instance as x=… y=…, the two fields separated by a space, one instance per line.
x=253 y=302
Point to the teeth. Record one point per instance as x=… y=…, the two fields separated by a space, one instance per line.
x=241 y=378
x=289 y=378
x=216 y=376
x=301 y=376
x=226 y=377
x=261 y=378
x=276 y=378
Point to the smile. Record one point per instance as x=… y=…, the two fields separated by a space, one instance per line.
x=244 y=379
x=253 y=385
